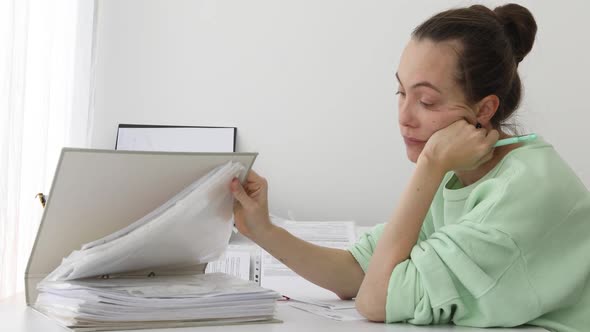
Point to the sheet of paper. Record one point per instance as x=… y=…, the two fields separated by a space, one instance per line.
x=235 y=261
x=277 y=276
x=328 y=302
x=333 y=234
x=340 y=315
x=173 y=138
x=296 y=287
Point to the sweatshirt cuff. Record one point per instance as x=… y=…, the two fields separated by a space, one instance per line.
x=362 y=258
x=403 y=293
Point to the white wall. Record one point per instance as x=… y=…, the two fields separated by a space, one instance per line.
x=310 y=86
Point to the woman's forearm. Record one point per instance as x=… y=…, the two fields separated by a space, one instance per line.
x=399 y=236
x=330 y=268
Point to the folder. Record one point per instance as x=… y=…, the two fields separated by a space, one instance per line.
x=176 y=138
x=99 y=192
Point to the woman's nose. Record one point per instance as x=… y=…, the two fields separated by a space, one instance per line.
x=407 y=115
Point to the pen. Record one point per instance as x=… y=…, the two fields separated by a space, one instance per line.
x=516 y=139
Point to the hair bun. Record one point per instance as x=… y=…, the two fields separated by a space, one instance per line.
x=520 y=27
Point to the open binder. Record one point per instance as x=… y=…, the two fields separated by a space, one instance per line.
x=98 y=192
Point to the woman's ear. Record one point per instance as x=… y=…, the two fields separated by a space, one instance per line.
x=487 y=107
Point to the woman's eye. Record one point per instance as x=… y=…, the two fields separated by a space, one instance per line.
x=425 y=103
x=400 y=93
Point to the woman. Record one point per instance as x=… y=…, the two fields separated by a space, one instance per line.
x=481 y=236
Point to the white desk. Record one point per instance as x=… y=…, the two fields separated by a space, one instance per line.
x=15 y=316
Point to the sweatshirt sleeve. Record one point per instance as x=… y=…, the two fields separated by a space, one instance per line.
x=363 y=249
x=467 y=273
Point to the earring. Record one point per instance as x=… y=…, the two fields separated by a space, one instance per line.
x=478 y=125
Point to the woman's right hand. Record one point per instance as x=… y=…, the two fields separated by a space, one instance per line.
x=460 y=146
x=251 y=205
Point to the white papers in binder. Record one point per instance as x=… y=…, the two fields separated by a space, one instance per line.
x=166 y=237
x=235 y=261
x=130 y=303
x=191 y=228
x=241 y=252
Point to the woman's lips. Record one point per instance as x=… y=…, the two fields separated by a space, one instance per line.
x=413 y=141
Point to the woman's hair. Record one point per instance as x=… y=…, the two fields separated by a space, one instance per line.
x=493 y=43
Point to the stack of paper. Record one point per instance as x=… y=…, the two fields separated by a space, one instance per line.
x=149 y=274
x=132 y=303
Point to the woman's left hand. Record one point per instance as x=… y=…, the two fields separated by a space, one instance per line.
x=460 y=147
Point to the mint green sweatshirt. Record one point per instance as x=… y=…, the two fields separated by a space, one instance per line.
x=511 y=249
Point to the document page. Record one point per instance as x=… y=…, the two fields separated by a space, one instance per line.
x=191 y=228
x=333 y=234
x=235 y=261
x=277 y=276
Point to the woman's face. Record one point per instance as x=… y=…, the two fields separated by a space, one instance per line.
x=429 y=97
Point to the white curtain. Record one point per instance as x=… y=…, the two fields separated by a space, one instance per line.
x=45 y=84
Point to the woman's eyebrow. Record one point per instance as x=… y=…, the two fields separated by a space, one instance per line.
x=398 y=80
x=419 y=84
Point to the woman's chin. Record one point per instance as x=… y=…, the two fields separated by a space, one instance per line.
x=412 y=154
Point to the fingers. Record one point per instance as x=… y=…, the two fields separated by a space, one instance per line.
x=256 y=183
x=471 y=119
x=492 y=137
x=489 y=138
x=240 y=194
x=254 y=177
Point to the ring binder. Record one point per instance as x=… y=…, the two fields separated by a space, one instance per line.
x=117 y=235
x=255 y=263
x=124 y=181
x=42 y=199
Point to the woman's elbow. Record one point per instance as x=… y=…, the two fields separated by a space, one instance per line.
x=370 y=308
x=344 y=297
